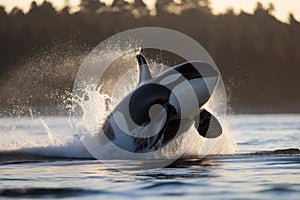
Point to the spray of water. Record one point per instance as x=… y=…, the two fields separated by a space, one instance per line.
x=55 y=137
x=95 y=105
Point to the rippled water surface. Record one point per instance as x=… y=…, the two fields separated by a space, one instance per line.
x=257 y=170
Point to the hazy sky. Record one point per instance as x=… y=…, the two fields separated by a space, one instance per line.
x=283 y=7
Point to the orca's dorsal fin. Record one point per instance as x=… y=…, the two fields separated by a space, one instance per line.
x=145 y=73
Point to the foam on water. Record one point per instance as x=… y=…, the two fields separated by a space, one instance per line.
x=49 y=136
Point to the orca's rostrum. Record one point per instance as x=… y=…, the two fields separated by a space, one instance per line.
x=164 y=107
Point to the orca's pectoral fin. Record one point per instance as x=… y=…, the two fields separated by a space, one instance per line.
x=208 y=126
x=163 y=135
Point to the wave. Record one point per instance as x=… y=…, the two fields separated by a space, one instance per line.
x=47 y=192
x=36 y=155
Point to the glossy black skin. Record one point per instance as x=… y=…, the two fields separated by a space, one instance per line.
x=136 y=106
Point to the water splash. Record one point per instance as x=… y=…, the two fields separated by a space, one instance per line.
x=93 y=106
x=55 y=137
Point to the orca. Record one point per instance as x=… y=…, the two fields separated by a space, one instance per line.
x=164 y=107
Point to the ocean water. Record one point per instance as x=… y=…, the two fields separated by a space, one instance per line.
x=41 y=158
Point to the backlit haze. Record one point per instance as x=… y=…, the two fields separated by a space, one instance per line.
x=282 y=7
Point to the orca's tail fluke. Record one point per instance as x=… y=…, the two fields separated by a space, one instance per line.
x=144 y=70
x=208 y=126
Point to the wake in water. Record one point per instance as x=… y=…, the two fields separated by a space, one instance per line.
x=24 y=139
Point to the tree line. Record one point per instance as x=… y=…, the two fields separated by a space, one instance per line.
x=41 y=50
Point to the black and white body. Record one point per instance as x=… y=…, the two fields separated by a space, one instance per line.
x=163 y=107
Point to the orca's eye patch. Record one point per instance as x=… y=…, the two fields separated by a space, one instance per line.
x=143 y=98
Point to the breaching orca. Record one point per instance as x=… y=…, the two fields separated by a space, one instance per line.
x=163 y=107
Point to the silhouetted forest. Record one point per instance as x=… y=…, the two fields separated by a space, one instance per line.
x=40 y=51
